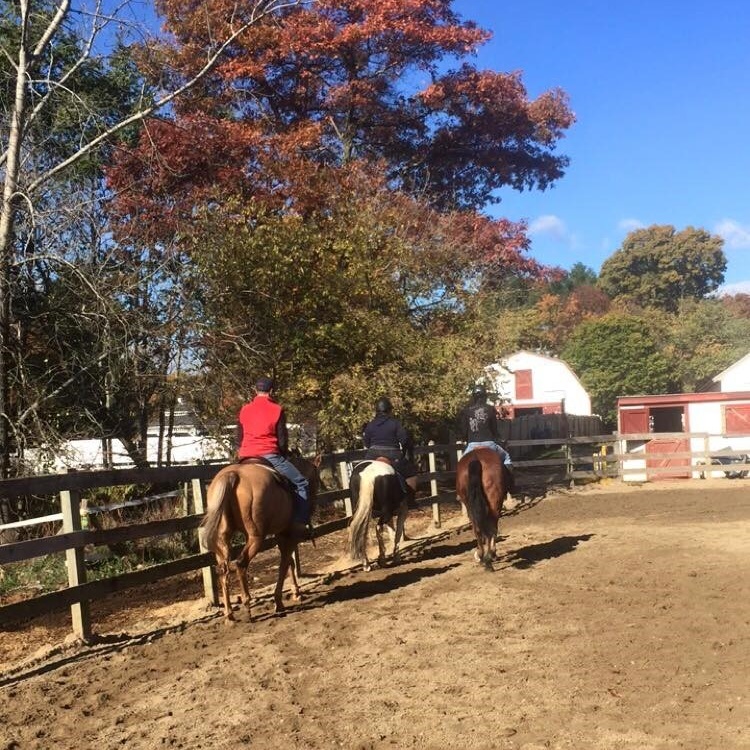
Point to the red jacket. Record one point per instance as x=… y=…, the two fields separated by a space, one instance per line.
x=261 y=428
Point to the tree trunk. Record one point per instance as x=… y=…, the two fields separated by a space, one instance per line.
x=10 y=197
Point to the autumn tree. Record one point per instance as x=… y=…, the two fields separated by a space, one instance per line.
x=67 y=90
x=317 y=97
x=372 y=283
x=339 y=80
x=332 y=83
x=659 y=266
x=738 y=304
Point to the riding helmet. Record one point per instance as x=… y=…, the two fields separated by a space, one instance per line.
x=383 y=406
x=479 y=391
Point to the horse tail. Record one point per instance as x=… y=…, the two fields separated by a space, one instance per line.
x=220 y=488
x=476 y=500
x=361 y=518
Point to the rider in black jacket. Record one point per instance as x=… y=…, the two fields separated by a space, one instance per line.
x=478 y=426
x=385 y=436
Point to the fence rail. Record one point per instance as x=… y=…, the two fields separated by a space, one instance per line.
x=576 y=457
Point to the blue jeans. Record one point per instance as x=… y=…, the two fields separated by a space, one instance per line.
x=290 y=471
x=492 y=446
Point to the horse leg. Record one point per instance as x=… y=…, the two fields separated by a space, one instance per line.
x=493 y=541
x=294 y=574
x=403 y=509
x=365 y=562
x=286 y=548
x=381 y=543
x=479 y=536
x=249 y=551
x=486 y=550
x=222 y=568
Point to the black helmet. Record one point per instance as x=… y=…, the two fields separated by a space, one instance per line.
x=383 y=406
x=479 y=391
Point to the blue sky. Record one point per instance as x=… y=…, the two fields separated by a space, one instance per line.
x=661 y=92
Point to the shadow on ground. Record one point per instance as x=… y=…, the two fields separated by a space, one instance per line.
x=527 y=557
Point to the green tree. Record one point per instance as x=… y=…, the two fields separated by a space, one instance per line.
x=617 y=355
x=703 y=338
x=578 y=275
x=658 y=266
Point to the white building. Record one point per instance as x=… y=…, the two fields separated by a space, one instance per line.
x=529 y=383
x=735 y=378
x=717 y=421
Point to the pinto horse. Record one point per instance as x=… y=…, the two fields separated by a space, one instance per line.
x=481 y=485
x=253 y=499
x=376 y=492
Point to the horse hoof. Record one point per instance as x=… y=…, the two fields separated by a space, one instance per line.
x=279 y=609
x=476 y=556
x=367 y=568
x=229 y=619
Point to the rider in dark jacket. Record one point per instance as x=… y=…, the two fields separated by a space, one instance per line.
x=478 y=426
x=385 y=436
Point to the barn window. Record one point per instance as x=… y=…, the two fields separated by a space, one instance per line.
x=737 y=419
x=667 y=419
x=524 y=389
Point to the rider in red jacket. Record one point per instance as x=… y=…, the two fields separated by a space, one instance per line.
x=262 y=433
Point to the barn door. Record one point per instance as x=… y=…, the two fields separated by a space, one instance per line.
x=737 y=419
x=665 y=447
x=633 y=421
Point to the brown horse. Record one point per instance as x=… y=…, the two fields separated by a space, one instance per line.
x=482 y=485
x=252 y=499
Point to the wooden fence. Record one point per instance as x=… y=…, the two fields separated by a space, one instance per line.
x=554 y=459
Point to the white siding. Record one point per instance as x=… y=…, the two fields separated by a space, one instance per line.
x=707 y=417
x=552 y=380
x=736 y=378
x=87 y=454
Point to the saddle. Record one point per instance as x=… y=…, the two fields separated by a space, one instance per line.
x=282 y=479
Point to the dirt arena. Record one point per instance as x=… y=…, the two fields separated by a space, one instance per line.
x=616 y=618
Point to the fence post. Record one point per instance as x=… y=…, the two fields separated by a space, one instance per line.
x=209 y=577
x=459 y=453
x=433 y=486
x=706 y=456
x=344 y=479
x=569 y=463
x=70 y=503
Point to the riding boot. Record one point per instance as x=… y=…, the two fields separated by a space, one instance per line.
x=511 y=488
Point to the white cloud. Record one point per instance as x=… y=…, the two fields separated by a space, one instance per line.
x=738 y=287
x=736 y=235
x=550 y=225
x=630 y=225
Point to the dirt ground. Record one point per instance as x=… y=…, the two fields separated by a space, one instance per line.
x=616 y=618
